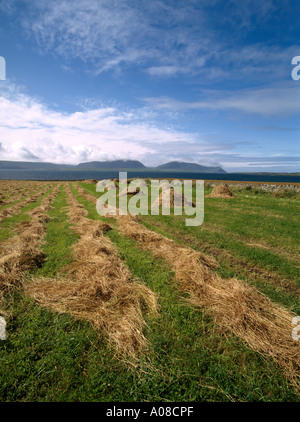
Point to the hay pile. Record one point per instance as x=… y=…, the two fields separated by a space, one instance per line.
x=237 y=307
x=176 y=199
x=126 y=191
x=98 y=287
x=221 y=191
x=90 y=181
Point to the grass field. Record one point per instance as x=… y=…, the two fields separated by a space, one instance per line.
x=75 y=292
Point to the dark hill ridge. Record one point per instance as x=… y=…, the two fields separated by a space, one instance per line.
x=28 y=165
x=110 y=165
x=192 y=167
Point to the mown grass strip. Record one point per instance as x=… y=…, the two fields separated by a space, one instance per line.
x=230 y=218
x=36 y=190
x=201 y=239
x=217 y=368
x=52 y=357
x=229 y=267
x=59 y=238
x=20 y=192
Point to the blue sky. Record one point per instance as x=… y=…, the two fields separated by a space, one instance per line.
x=204 y=81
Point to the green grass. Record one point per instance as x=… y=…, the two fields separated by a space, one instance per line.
x=59 y=238
x=217 y=367
x=226 y=234
x=52 y=357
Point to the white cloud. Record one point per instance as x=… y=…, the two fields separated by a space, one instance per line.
x=30 y=130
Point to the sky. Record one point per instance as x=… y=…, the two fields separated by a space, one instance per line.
x=202 y=81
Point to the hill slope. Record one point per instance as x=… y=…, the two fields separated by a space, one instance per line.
x=182 y=166
x=109 y=165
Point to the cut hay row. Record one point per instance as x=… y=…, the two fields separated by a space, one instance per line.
x=18 y=185
x=6 y=194
x=18 y=196
x=16 y=208
x=9 y=189
x=89 y=197
x=97 y=286
x=237 y=307
x=85 y=194
x=22 y=251
x=8 y=186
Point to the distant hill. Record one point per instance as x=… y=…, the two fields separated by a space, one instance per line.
x=190 y=167
x=175 y=166
x=32 y=165
x=111 y=165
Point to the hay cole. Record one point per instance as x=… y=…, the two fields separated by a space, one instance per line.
x=221 y=191
x=90 y=181
x=127 y=192
x=176 y=198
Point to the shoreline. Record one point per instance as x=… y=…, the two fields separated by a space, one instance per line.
x=242 y=184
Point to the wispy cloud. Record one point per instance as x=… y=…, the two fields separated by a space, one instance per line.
x=274 y=128
x=235 y=162
x=279 y=101
x=106 y=34
x=165 y=39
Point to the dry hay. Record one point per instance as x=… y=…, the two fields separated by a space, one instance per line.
x=175 y=198
x=221 y=191
x=90 y=181
x=13 y=197
x=236 y=306
x=118 y=314
x=21 y=252
x=85 y=194
x=14 y=209
x=98 y=287
x=108 y=186
x=126 y=191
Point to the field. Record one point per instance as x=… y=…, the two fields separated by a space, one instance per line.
x=145 y=308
